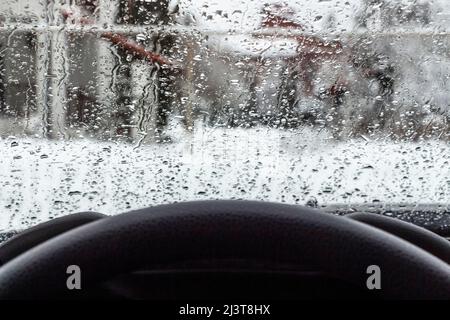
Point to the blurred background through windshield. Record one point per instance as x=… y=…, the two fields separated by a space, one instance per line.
x=112 y=105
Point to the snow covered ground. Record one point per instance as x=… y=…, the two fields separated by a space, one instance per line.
x=42 y=179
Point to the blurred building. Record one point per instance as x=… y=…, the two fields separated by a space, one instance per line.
x=63 y=80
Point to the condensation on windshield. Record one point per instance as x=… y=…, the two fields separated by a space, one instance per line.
x=114 y=105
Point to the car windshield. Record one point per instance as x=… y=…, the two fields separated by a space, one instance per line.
x=115 y=105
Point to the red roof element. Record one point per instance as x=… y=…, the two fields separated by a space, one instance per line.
x=125 y=43
x=277 y=15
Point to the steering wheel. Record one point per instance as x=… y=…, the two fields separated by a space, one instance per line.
x=255 y=231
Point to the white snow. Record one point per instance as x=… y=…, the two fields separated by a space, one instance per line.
x=41 y=179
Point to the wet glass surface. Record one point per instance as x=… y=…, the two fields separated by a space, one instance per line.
x=113 y=105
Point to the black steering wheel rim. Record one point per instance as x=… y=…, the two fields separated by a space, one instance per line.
x=226 y=230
